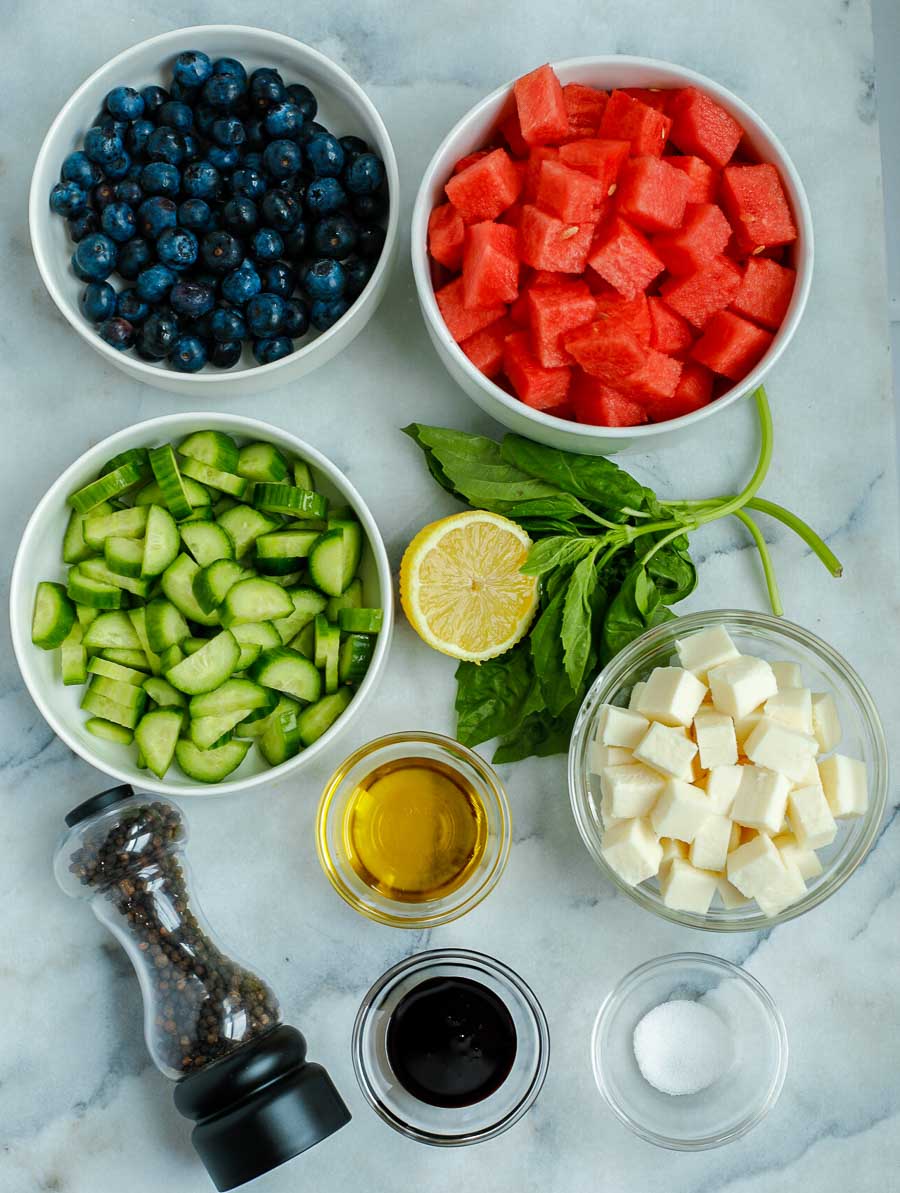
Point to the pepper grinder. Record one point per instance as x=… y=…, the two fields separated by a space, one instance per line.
x=211 y=1024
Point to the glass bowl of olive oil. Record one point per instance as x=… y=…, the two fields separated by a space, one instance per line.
x=413 y=830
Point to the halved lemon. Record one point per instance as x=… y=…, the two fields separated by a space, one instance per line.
x=461 y=586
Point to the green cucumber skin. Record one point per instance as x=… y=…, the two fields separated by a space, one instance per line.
x=210 y=766
x=214 y=448
x=53 y=617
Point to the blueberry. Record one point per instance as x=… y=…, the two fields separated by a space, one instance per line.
x=192 y=67
x=264 y=314
x=200 y=326
x=324 y=313
x=95 y=257
x=130 y=306
x=239 y=216
x=369 y=208
x=358 y=273
x=116 y=332
x=241 y=284
x=231 y=68
x=277 y=277
x=124 y=103
x=225 y=353
x=295 y=242
x=102 y=194
x=224 y=160
x=334 y=236
x=191 y=299
x=154 y=283
x=129 y=192
x=195 y=214
x=353 y=147
x=97 y=301
x=283 y=119
x=370 y=241
x=137 y=137
x=309 y=130
x=266 y=245
x=324 y=196
x=134 y=172
x=254 y=127
x=280 y=210
x=154 y=97
x=161 y=178
x=102 y=145
x=325 y=155
x=228 y=131
x=177 y=248
x=157 y=335
x=222 y=92
x=204 y=118
x=118 y=168
x=83 y=225
x=67 y=199
x=248 y=182
x=300 y=94
x=194 y=147
x=221 y=251
x=118 y=222
x=155 y=215
x=295 y=320
x=166 y=145
x=272 y=348
x=176 y=115
x=182 y=94
x=253 y=161
x=77 y=167
x=227 y=323
x=266 y=88
x=324 y=279
x=201 y=180
x=281 y=158
x=364 y=175
x=105 y=120
x=133 y=257
x=188 y=353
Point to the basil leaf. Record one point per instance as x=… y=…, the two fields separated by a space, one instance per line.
x=592 y=478
x=548 y=655
x=673 y=572
x=636 y=607
x=554 y=552
x=538 y=735
x=493 y=697
x=576 y=622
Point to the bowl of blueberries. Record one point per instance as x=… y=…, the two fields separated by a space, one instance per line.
x=216 y=206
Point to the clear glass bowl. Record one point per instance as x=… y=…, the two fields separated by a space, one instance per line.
x=438 y=1125
x=332 y=846
x=823 y=670
x=728 y=1108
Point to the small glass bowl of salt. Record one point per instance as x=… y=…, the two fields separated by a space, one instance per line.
x=689 y=1051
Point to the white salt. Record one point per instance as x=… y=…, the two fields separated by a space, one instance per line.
x=682 y=1047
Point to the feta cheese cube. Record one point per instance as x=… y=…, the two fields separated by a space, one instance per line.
x=632 y=790
x=721 y=785
x=779 y=893
x=631 y=849
x=672 y=696
x=709 y=848
x=731 y=897
x=680 y=811
x=810 y=817
x=634 y=698
x=775 y=747
x=737 y=837
x=742 y=685
x=709 y=648
x=811 y=778
x=793 y=853
x=672 y=848
x=755 y=865
x=714 y=733
x=845 y=785
x=685 y=888
x=667 y=750
x=620 y=727
x=826 y=722
x=606 y=817
x=761 y=800
x=744 y=726
x=603 y=756
x=791 y=707
x=787 y=675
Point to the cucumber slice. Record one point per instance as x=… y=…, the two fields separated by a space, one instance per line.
x=210 y=766
x=361 y=621
x=250 y=652
x=129 y=523
x=95 y=594
x=327 y=650
x=101 y=706
x=281 y=739
x=111 y=485
x=324 y=630
x=96 y=569
x=285 y=544
x=128 y=658
x=288 y=499
x=212 y=447
x=306 y=604
x=202 y=513
x=328 y=562
x=124 y=694
x=131 y=455
x=316 y=524
x=191 y=645
x=263 y=633
x=208 y=732
x=350 y=598
x=232 y=695
x=178 y=586
x=140 y=761
x=208 y=668
x=352 y=532
x=288 y=580
x=112 y=630
x=222 y=506
x=165 y=625
x=138 y=619
x=314 y=721
x=85 y=615
x=355 y=656
x=303 y=477
x=53 y=615
x=157 y=736
x=288 y=671
x=161 y=692
x=168 y=476
x=278 y=569
x=109 y=731
x=162 y=541
x=101 y=666
x=212 y=583
x=251 y=727
x=224 y=482
x=197 y=495
x=261 y=462
x=255 y=600
x=171 y=658
x=73 y=660
x=75 y=549
x=207 y=542
x=305 y=641
x=124 y=556
x=245 y=525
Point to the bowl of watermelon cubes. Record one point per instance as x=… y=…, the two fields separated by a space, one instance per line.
x=610 y=249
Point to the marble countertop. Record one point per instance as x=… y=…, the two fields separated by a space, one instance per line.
x=82 y=1110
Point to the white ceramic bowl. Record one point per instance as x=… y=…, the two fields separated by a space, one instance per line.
x=343 y=107
x=38 y=558
x=471 y=133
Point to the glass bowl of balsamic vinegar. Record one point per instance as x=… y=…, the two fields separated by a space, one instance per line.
x=450 y=1047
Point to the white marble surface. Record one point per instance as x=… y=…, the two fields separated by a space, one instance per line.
x=81 y=1109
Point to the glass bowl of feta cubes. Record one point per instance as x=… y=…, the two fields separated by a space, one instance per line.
x=728 y=770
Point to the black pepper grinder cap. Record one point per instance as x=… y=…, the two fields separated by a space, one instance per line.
x=258 y=1107
x=99 y=803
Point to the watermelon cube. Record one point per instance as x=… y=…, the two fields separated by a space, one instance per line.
x=547 y=277
x=537 y=387
x=731 y=345
x=469 y=160
x=624 y=258
x=694 y=389
x=651 y=194
x=518 y=312
x=703 y=235
x=511 y=132
x=702 y=127
x=653 y=97
x=536 y=159
x=703 y=178
x=490 y=265
x=584 y=107
x=628 y=119
x=657 y=377
x=669 y=332
x=463 y=321
x=600 y=405
x=765 y=292
x=755 y=202
x=553 y=311
x=543 y=118
x=633 y=313
x=485 y=188
x=446 y=235
x=512 y=215
x=602 y=160
x=610 y=351
x=568 y=194
x=485 y=348
x=549 y=243
x=699 y=295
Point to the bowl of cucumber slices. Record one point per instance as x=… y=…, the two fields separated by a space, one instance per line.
x=200 y=603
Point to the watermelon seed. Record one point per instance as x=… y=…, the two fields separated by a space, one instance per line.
x=759 y=249
x=612 y=190
x=569 y=233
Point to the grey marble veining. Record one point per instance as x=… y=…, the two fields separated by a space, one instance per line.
x=82 y=1110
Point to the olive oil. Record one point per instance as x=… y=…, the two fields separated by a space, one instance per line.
x=414 y=830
